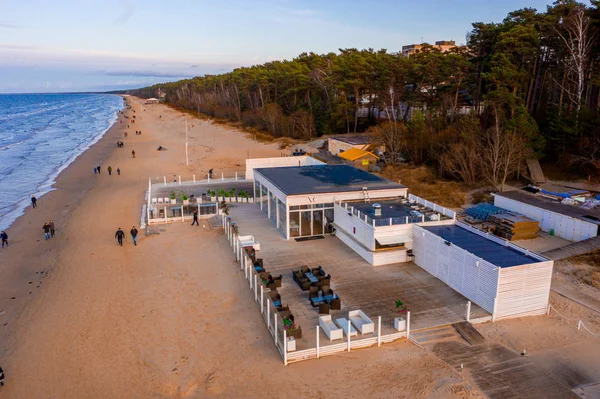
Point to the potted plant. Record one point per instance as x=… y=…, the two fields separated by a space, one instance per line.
x=400 y=320
x=224 y=209
x=212 y=194
x=243 y=194
x=173 y=198
x=184 y=198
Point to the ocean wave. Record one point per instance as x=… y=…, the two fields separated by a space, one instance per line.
x=41 y=146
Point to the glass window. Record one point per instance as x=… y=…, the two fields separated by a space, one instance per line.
x=282 y=216
x=294 y=208
x=294 y=224
x=305 y=206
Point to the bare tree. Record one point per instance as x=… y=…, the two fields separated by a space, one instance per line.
x=502 y=154
x=590 y=156
x=462 y=161
x=579 y=43
x=389 y=135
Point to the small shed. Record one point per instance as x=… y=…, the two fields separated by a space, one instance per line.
x=360 y=158
x=152 y=101
x=341 y=143
x=573 y=223
x=503 y=278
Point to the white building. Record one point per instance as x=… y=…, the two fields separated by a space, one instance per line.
x=300 y=199
x=381 y=231
x=502 y=278
x=566 y=221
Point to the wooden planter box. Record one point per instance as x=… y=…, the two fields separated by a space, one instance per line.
x=186 y=202
x=400 y=323
x=173 y=201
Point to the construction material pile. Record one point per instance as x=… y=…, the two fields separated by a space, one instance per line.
x=482 y=212
x=514 y=227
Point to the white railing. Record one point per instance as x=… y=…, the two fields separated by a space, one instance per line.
x=274 y=322
x=177 y=180
x=431 y=205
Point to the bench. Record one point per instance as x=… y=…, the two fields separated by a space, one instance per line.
x=361 y=321
x=343 y=323
x=329 y=328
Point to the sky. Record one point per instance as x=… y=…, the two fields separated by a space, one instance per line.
x=101 y=45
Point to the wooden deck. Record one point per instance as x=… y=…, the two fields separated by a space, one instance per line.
x=500 y=372
x=373 y=290
x=575 y=249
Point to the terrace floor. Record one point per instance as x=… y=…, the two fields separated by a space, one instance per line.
x=373 y=290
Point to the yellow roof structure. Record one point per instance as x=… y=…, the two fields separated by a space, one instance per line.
x=354 y=153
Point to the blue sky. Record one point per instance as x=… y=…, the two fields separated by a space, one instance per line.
x=86 y=45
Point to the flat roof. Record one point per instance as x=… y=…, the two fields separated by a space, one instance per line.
x=354 y=140
x=317 y=179
x=481 y=247
x=553 y=206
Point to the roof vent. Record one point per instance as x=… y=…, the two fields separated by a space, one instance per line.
x=376 y=209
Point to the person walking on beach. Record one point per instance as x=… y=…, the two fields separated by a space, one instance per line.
x=33 y=201
x=98 y=167
x=119 y=171
x=134 y=234
x=95 y=170
x=46 y=228
x=119 y=236
x=4 y=237
x=51 y=224
x=133 y=153
x=195 y=218
x=109 y=170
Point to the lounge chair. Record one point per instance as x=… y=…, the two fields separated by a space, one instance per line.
x=335 y=304
x=154 y=200
x=160 y=200
x=330 y=329
x=324 y=308
x=361 y=321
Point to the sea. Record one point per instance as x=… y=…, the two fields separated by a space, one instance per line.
x=40 y=135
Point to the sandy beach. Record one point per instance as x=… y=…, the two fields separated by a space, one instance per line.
x=171 y=318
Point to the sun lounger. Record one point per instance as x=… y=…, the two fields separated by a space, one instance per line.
x=360 y=320
x=154 y=200
x=329 y=328
x=343 y=323
x=160 y=200
x=167 y=200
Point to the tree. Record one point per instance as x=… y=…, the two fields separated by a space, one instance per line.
x=389 y=135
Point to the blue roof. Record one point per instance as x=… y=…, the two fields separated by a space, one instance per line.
x=481 y=247
x=315 y=179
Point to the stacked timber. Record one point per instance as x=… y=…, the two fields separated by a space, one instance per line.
x=514 y=227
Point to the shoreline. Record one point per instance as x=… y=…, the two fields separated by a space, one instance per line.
x=48 y=186
x=63 y=197
x=86 y=319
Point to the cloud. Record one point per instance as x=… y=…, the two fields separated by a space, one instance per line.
x=195 y=66
x=144 y=74
x=16 y=47
x=9 y=25
x=129 y=8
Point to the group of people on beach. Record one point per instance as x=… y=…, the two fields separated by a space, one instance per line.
x=120 y=144
x=109 y=169
x=138 y=132
x=48 y=229
x=120 y=234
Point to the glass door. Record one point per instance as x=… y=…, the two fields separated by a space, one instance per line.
x=305 y=223
x=318 y=223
